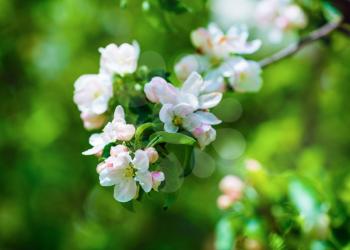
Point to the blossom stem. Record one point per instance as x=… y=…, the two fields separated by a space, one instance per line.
x=295 y=47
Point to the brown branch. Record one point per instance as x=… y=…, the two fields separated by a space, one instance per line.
x=295 y=47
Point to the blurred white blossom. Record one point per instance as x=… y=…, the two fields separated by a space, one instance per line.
x=92 y=94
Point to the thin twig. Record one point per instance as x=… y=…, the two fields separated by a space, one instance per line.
x=295 y=47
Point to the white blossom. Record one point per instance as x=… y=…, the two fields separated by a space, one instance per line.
x=244 y=75
x=125 y=173
x=214 y=42
x=92 y=94
x=117 y=130
x=119 y=60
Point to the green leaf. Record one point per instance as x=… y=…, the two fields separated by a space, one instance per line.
x=276 y=242
x=123 y=3
x=141 y=129
x=128 y=206
x=169 y=200
x=188 y=161
x=172 y=138
x=225 y=235
x=175 y=6
x=330 y=12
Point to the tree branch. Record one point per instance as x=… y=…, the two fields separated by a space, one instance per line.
x=295 y=47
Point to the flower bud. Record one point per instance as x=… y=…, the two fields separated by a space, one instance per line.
x=252 y=165
x=224 y=202
x=116 y=150
x=232 y=186
x=186 y=66
x=152 y=154
x=157 y=178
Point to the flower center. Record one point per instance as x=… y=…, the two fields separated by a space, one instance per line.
x=177 y=121
x=129 y=172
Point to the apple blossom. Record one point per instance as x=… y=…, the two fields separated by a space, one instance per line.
x=152 y=154
x=224 y=202
x=205 y=134
x=91 y=94
x=113 y=131
x=279 y=16
x=244 y=75
x=119 y=60
x=125 y=173
x=190 y=63
x=232 y=186
x=176 y=116
x=214 y=42
x=157 y=178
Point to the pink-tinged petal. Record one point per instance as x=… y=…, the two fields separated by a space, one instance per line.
x=168 y=94
x=110 y=176
x=145 y=180
x=152 y=154
x=183 y=110
x=191 y=121
x=211 y=100
x=166 y=113
x=92 y=121
x=93 y=151
x=189 y=99
x=119 y=115
x=154 y=88
x=96 y=139
x=126 y=190
x=193 y=85
x=141 y=162
x=157 y=178
x=116 y=150
x=124 y=132
x=207 y=118
x=122 y=161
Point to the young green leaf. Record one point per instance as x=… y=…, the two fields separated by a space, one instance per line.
x=225 y=235
x=172 y=138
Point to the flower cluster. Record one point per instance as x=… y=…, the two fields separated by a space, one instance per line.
x=219 y=61
x=93 y=91
x=186 y=107
x=169 y=114
x=280 y=16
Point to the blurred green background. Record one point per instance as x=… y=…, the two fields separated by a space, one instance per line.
x=49 y=193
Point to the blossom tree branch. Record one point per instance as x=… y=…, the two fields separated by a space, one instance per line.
x=295 y=47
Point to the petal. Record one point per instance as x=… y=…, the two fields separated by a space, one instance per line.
x=125 y=132
x=208 y=118
x=166 y=113
x=191 y=122
x=141 y=161
x=209 y=100
x=193 y=84
x=96 y=139
x=189 y=99
x=145 y=180
x=126 y=190
x=119 y=115
x=94 y=150
x=110 y=177
x=170 y=128
x=183 y=110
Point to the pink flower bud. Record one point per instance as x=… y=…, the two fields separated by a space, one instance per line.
x=252 y=165
x=157 y=178
x=116 y=150
x=224 y=202
x=232 y=186
x=152 y=154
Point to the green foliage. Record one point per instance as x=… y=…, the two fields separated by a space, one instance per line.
x=172 y=138
x=225 y=234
